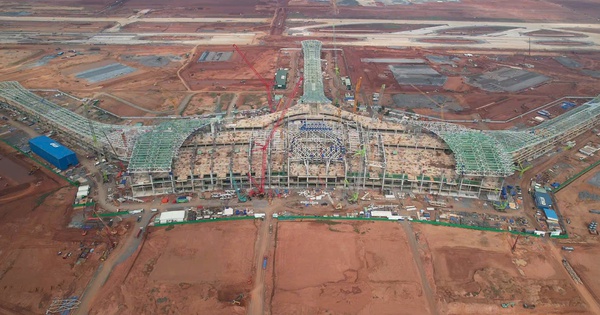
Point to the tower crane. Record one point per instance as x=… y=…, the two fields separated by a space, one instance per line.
x=356 y=94
x=268 y=84
x=260 y=187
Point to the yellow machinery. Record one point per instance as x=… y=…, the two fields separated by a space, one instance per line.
x=356 y=94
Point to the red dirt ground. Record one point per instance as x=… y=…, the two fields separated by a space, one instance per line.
x=187 y=270
x=475 y=272
x=474 y=31
x=228 y=75
x=197 y=8
x=527 y=10
x=32 y=231
x=552 y=33
x=576 y=209
x=83 y=27
x=373 y=28
x=447 y=41
x=569 y=43
x=141 y=27
x=585 y=262
x=345 y=268
x=523 y=10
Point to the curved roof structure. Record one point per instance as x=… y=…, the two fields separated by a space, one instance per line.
x=154 y=150
x=112 y=137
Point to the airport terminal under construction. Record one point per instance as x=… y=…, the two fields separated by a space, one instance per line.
x=310 y=144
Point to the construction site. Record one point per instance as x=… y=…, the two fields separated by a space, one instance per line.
x=310 y=144
x=433 y=157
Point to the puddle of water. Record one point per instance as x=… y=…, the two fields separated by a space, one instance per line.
x=14 y=171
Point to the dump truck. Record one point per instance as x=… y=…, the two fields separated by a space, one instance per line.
x=264 y=266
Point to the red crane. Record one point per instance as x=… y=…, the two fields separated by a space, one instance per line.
x=261 y=188
x=268 y=84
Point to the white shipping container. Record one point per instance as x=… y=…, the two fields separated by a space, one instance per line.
x=228 y=212
x=381 y=213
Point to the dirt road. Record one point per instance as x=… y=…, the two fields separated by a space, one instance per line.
x=119 y=255
x=585 y=294
x=261 y=249
x=412 y=241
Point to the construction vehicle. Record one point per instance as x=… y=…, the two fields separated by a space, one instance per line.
x=260 y=187
x=528 y=306
x=122 y=169
x=238 y=299
x=335 y=206
x=356 y=94
x=33 y=170
x=268 y=84
x=353 y=198
x=241 y=197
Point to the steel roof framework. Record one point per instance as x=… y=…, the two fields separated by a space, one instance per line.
x=476 y=153
x=121 y=138
x=313 y=78
x=154 y=151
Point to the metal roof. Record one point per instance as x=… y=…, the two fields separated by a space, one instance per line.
x=313 y=79
x=51 y=147
x=281 y=77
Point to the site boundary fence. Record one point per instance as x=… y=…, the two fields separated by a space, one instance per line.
x=77 y=205
x=206 y=220
x=72 y=183
x=111 y=214
x=576 y=176
x=470 y=227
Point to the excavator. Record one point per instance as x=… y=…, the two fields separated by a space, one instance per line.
x=335 y=206
x=33 y=170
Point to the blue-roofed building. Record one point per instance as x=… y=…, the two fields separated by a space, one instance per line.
x=53 y=152
x=542 y=200
x=550 y=215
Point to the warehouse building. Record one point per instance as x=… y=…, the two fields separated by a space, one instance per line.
x=542 y=200
x=53 y=152
x=172 y=216
x=281 y=79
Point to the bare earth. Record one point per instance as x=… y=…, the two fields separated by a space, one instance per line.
x=185 y=270
x=33 y=216
x=345 y=268
x=475 y=272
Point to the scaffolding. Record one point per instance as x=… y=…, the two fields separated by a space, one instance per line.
x=313 y=78
x=476 y=153
x=313 y=142
x=325 y=144
x=63 y=306
x=113 y=138
x=533 y=142
x=155 y=150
